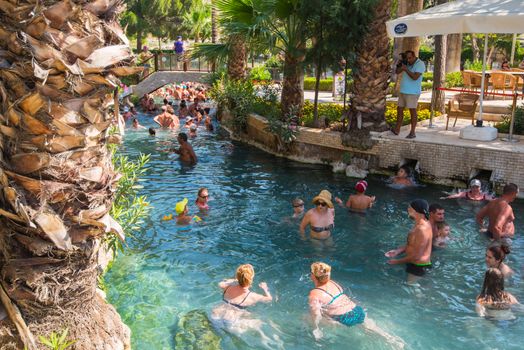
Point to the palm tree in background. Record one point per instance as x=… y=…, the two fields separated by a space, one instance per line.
x=197 y=21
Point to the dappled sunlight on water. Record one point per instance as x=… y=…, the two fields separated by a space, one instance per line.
x=169 y=271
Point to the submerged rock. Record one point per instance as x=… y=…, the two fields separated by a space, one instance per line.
x=195 y=332
x=355 y=171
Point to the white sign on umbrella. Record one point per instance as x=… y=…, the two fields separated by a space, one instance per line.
x=466 y=16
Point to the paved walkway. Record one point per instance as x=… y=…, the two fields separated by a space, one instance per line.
x=439 y=135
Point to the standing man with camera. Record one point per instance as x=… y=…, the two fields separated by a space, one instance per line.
x=411 y=68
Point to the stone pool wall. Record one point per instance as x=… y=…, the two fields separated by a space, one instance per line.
x=438 y=163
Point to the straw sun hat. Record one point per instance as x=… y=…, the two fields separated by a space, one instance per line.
x=325 y=196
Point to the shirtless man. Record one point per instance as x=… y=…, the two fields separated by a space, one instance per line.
x=321 y=219
x=359 y=201
x=436 y=215
x=166 y=120
x=418 y=248
x=193 y=108
x=186 y=152
x=500 y=214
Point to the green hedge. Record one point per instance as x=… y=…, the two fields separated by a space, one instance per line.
x=518 y=127
x=331 y=111
x=325 y=84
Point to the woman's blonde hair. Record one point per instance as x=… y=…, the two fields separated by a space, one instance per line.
x=245 y=275
x=321 y=271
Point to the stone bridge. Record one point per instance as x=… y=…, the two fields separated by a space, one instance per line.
x=158 y=79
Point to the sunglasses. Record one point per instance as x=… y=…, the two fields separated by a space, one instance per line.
x=298 y=205
x=322 y=204
x=204 y=196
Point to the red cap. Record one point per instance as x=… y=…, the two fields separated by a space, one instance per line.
x=361 y=186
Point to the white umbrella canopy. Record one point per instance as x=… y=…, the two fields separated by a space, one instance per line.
x=466 y=16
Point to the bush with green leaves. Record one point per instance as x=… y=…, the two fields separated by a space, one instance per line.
x=475 y=65
x=427 y=76
x=129 y=209
x=235 y=96
x=332 y=112
x=56 y=341
x=259 y=74
x=454 y=80
x=391 y=115
x=518 y=126
x=285 y=128
x=324 y=85
x=274 y=62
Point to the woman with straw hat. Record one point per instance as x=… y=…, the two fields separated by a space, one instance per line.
x=321 y=219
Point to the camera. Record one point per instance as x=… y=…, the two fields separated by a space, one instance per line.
x=403 y=60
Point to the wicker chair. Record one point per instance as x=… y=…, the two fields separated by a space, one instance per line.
x=462 y=106
x=503 y=81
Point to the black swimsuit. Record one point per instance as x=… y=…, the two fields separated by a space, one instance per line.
x=233 y=304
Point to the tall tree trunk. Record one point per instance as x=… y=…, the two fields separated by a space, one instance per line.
x=292 y=96
x=475 y=48
x=139 y=42
x=214 y=27
x=408 y=7
x=454 y=50
x=236 y=64
x=318 y=72
x=370 y=81
x=56 y=176
x=439 y=71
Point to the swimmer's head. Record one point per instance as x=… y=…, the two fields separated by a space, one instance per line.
x=436 y=212
x=321 y=271
x=495 y=254
x=418 y=207
x=152 y=132
x=182 y=136
x=475 y=183
x=361 y=186
x=510 y=191
x=245 y=275
x=493 y=285
x=181 y=206
x=193 y=127
x=403 y=171
x=297 y=202
x=135 y=121
x=164 y=108
x=443 y=228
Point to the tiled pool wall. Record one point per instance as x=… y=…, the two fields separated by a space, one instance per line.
x=438 y=163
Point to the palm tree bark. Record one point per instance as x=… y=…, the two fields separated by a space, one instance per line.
x=438 y=98
x=236 y=64
x=292 y=96
x=370 y=81
x=56 y=177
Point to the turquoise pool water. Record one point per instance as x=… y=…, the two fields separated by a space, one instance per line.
x=169 y=271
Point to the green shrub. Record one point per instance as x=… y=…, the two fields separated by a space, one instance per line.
x=325 y=84
x=274 y=62
x=454 y=79
x=428 y=76
x=475 y=65
x=237 y=97
x=331 y=111
x=427 y=85
x=391 y=115
x=425 y=53
x=260 y=74
x=518 y=126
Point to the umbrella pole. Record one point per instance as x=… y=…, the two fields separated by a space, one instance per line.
x=482 y=83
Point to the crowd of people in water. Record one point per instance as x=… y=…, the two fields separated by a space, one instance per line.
x=328 y=299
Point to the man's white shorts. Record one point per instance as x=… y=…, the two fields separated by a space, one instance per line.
x=408 y=101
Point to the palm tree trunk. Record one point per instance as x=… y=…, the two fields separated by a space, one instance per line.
x=139 y=42
x=454 y=50
x=56 y=175
x=236 y=65
x=214 y=27
x=370 y=81
x=292 y=96
x=475 y=48
x=439 y=72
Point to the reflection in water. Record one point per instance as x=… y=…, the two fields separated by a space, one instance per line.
x=169 y=271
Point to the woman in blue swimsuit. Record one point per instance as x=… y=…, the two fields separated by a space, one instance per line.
x=328 y=299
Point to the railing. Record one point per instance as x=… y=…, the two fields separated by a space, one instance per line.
x=181 y=63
